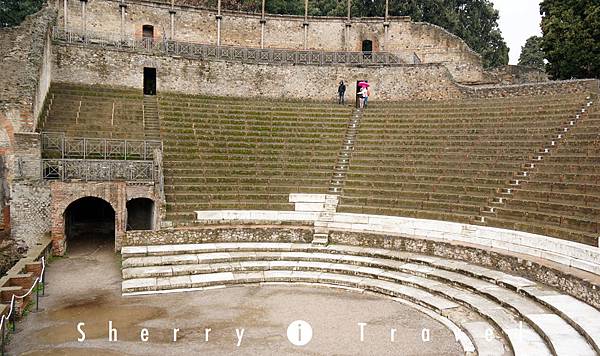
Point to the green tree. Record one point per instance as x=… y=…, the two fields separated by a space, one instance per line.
x=571 y=33
x=13 y=12
x=532 y=54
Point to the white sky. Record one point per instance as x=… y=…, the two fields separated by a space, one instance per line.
x=519 y=20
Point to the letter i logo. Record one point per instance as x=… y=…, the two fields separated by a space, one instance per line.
x=299 y=333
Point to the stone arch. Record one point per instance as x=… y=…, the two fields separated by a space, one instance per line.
x=140 y=214
x=89 y=219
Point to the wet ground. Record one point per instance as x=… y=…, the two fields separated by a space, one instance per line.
x=85 y=287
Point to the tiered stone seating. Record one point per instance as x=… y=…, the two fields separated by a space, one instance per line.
x=446 y=160
x=561 y=195
x=224 y=153
x=95 y=107
x=473 y=297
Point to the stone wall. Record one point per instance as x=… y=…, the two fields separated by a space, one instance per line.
x=90 y=65
x=217 y=233
x=25 y=69
x=514 y=74
x=432 y=44
x=30 y=211
x=546 y=88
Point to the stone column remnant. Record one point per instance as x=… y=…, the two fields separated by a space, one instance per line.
x=305 y=24
x=263 y=21
x=219 y=17
x=83 y=17
x=123 y=7
x=65 y=13
x=386 y=25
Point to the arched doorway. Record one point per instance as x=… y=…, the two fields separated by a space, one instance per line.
x=89 y=221
x=140 y=214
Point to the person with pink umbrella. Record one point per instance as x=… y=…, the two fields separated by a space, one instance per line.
x=363 y=93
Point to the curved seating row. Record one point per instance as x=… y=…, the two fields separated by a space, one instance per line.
x=531 y=318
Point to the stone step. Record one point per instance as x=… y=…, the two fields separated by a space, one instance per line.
x=320 y=239
x=526 y=341
x=580 y=315
x=561 y=336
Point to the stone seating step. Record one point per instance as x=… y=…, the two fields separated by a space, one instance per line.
x=457 y=272
x=294 y=271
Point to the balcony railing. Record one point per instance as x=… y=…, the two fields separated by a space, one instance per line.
x=233 y=53
x=56 y=145
x=98 y=170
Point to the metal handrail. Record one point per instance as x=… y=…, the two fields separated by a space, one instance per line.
x=97 y=148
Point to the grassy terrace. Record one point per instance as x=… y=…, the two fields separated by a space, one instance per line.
x=95 y=119
x=446 y=160
x=562 y=196
x=224 y=153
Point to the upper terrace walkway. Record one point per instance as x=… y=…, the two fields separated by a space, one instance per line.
x=230 y=53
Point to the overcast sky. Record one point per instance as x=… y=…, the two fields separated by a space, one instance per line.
x=519 y=20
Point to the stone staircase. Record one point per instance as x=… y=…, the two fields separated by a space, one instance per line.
x=526 y=317
x=336 y=184
x=321 y=227
x=520 y=178
x=342 y=164
x=151 y=118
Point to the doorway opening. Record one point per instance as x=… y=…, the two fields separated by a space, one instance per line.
x=149 y=81
x=89 y=222
x=367 y=49
x=140 y=214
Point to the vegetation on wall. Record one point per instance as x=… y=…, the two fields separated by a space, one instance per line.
x=532 y=54
x=13 y=12
x=571 y=42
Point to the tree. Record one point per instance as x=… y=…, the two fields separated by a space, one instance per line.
x=13 y=12
x=571 y=29
x=532 y=54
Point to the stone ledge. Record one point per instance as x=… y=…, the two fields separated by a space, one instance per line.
x=571 y=254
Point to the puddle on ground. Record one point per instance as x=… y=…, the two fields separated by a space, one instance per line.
x=95 y=313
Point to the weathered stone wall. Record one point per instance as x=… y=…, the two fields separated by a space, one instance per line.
x=88 y=65
x=431 y=43
x=254 y=233
x=30 y=211
x=511 y=74
x=546 y=88
x=25 y=69
x=569 y=281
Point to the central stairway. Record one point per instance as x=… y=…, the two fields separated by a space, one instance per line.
x=526 y=317
x=151 y=118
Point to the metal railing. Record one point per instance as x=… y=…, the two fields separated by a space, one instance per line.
x=38 y=284
x=232 y=53
x=56 y=145
x=98 y=170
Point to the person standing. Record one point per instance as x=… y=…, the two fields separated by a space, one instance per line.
x=368 y=94
x=362 y=94
x=341 y=93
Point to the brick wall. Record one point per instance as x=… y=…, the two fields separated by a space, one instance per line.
x=115 y=193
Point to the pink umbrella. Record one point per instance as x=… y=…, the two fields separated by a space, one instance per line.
x=363 y=84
